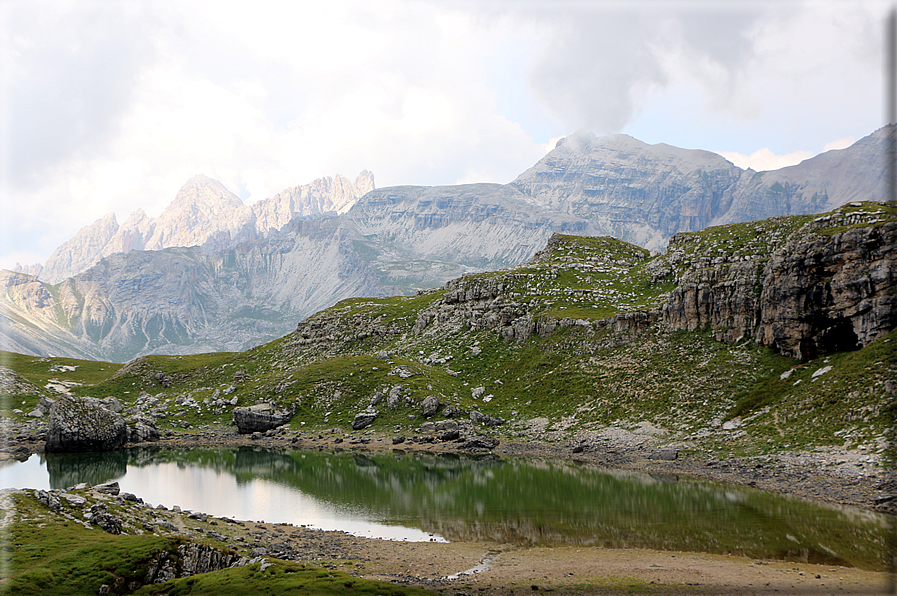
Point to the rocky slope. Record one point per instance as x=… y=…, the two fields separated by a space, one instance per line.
x=184 y=300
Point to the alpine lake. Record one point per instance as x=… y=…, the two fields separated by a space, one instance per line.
x=428 y=497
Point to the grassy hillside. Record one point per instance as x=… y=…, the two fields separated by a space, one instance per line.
x=590 y=351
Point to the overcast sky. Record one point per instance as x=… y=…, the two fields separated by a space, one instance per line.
x=111 y=106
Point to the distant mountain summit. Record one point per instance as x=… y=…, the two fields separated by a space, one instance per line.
x=203 y=213
x=212 y=274
x=646 y=193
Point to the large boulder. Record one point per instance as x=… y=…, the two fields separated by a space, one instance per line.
x=480 y=443
x=364 y=419
x=143 y=430
x=260 y=418
x=430 y=406
x=83 y=424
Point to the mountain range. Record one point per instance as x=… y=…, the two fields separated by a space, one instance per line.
x=213 y=274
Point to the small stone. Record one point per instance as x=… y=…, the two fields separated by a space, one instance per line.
x=110 y=488
x=665 y=454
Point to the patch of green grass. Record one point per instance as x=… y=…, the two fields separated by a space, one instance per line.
x=282 y=577
x=50 y=555
x=62 y=557
x=39 y=370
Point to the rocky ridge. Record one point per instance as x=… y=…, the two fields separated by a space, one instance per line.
x=221 y=301
x=804 y=286
x=258 y=269
x=203 y=213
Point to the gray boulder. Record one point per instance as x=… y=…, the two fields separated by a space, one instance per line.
x=395 y=395
x=480 y=443
x=43 y=408
x=260 y=418
x=112 y=404
x=109 y=488
x=430 y=406
x=107 y=521
x=485 y=419
x=450 y=435
x=451 y=412
x=80 y=424
x=50 y=499
x=144 y=430
x=364 y=419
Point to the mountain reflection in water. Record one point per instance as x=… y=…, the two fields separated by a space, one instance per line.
x=525 y=502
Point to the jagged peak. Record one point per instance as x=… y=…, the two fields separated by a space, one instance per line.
x=202 y=190
x=364 y=182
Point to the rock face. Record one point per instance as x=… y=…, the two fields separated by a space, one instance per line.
x=83 y=424
x=189 y=559
x=260 y=418
x=803 y=295
x=646 y=193
x=830 y=294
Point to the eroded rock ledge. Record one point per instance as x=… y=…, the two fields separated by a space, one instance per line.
x=806 y=298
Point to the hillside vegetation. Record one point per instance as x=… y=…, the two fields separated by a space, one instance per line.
x=583 y=337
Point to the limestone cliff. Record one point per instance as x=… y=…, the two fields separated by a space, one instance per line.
x=829 y=285
x=646 y=193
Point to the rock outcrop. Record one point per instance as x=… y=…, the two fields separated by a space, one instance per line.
x=831 y=294
x=260 y=418
x=827 y=287
x=190 y=559
x=79 y=424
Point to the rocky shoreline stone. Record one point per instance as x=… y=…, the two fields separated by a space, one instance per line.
x=84 y=424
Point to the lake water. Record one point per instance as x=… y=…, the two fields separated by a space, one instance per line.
x=410 y=496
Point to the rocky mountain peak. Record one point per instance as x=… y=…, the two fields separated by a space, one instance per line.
x=203 y=194
x=364 y=182
x=79 y=253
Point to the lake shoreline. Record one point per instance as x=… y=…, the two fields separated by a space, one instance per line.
x=486 y=568
x=504 y=569
x=827 y=475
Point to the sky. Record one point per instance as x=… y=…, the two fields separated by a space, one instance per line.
x=112 y=106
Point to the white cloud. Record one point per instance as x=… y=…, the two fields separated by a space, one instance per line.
x=111 y=107
x=839 y=144
x=764 y=159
